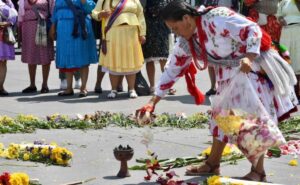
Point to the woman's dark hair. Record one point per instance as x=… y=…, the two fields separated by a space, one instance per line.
x=175 y=10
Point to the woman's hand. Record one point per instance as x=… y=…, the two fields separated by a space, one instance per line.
x=104 y=14
x=144 y=114
x=142 y=39
x=52 y=32
x=246 y=62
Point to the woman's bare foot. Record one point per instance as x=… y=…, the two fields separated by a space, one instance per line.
x=254 y=175
x=205 y=169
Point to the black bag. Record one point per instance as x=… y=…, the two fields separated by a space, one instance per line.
x=141 y=85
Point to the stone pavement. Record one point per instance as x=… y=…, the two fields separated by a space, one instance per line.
x=93 y=150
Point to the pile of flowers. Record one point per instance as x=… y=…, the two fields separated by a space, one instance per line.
x=98 y=120
x=292 y=147
x=38 y=151
x=14 y=179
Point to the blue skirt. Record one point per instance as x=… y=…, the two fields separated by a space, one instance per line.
x=74 y=52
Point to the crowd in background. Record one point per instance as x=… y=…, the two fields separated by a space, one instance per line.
x=131 y=32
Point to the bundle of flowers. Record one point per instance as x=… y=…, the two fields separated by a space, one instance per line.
x=38 y=152
x=14 y=179
x=252 y=135
x=292 y=147
x=98 y=120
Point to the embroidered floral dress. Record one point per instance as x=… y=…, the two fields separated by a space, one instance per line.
x=229 y=37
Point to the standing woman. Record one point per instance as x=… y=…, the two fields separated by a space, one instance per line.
x=76 y=44
x=8 y=17
x=124 y=32
x=157 y=46
x=234 y=45
x=33 y=54
x=289 y=17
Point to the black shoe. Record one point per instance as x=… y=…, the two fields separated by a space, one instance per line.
x=44 y=90
x=65 y=94
x=120 y=88
x=211 y=92
x=30 y=90
x=3 y=93
x=98 y=90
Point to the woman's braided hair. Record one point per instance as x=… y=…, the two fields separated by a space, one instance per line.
x=175 y=11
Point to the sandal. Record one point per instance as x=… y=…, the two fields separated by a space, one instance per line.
x=65 y=93
x=195 y=170
x=113 y=94
x=172 y=92
x=44 y=90
x=211 y=92
x=83 y=93
x=261 y=176
x=132 y=94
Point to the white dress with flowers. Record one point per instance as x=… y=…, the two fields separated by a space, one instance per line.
x=230 y=36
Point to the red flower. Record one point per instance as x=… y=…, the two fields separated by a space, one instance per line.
x=181 y=60
x=4 y=178
x=225 y=33
x=243 y=49
x=244 y=33
x=259 y=90
x=167 y=85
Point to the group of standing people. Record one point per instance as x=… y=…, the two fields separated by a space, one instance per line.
x=123 y=30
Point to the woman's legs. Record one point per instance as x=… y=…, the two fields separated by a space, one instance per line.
x=100 y=76
x=32 y=74
x=150 y=67
x=69 y=76
x=3 y=71
x=131 y=82
x=84 y=73
x=114 y=81
x=213 y=160
x=212 y=77
x=258 y=173
x=45 y=71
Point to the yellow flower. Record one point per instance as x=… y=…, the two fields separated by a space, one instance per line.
x=19 y=179
x=214 y=180
x=26 y=157
x=293 y=162
x=61 y=156
x=35 y=150
x=5 y=120
x=229 y=124
x=227 y=150
x=45 y=151
x=13 y=151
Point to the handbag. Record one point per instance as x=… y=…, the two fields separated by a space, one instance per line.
x=41 y=37
x=7 y=33
x=8 y=36
x=141 y=86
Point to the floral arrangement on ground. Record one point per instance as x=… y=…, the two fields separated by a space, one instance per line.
x=17 y=179
x=39 y=151
x=98 y=120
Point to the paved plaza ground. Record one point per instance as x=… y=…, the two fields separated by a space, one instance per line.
x=93 y=150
